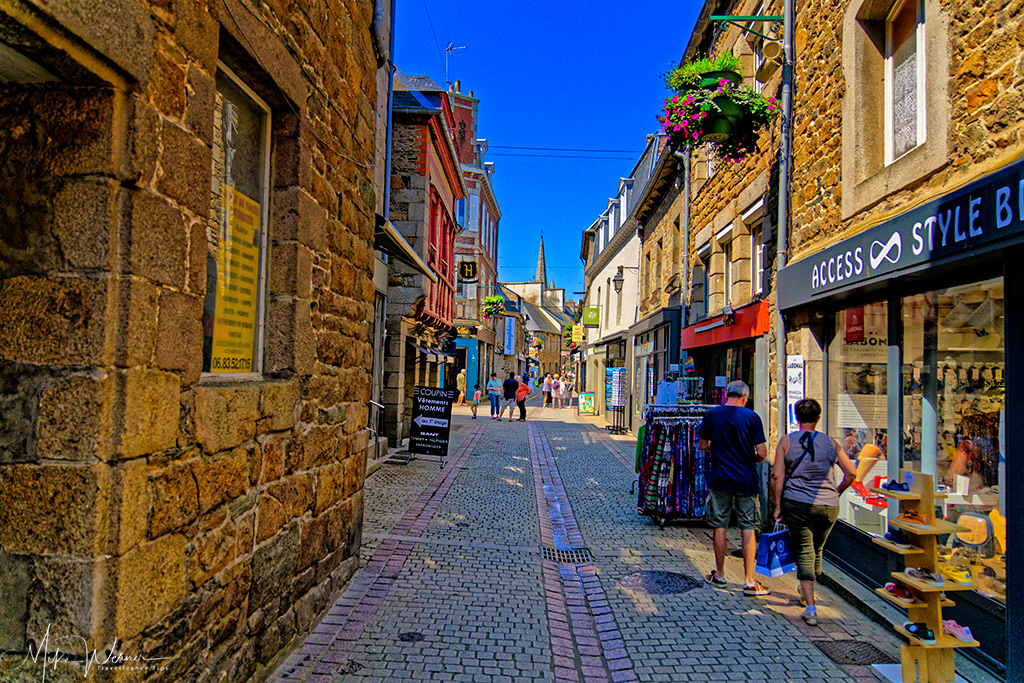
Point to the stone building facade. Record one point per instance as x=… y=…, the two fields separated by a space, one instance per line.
x=426 y=183
x=202 y=518
x=906 y=125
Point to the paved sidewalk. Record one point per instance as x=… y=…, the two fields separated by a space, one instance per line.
x=475 y=573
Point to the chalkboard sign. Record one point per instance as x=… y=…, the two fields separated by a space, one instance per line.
x=431 y=420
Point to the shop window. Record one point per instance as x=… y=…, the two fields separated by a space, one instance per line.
x=699 y=302
x=953 y=362
x=233 y=309
x=858 y=408
x=904 y=96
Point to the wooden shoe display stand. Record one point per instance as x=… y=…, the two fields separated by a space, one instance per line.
x=922 y=662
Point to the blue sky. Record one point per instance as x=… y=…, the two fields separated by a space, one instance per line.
x=554 y=75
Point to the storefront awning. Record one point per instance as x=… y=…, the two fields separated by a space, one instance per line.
x=746 y=322
x=388 y=239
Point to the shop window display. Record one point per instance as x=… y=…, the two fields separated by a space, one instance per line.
x=952 y=401
x=858 y=409
x=953 y=369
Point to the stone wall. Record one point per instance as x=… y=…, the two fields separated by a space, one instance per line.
x=983 y=84
x=208 y=523
x=975 y=83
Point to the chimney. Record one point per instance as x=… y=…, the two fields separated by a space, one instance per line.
x=458 y=86
x=470 y=93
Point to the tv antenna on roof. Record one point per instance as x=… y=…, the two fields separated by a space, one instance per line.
x=448 y=53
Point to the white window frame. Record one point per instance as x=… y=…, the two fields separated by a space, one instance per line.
x=261 y=303
x=757 y=262
x=727 y=280
x=919 y=37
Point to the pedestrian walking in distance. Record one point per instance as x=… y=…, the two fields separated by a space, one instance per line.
x=545 y=389
x=494 y=395
x=734 y=435
x=476 y=399
x=556 y=392
x=806 y=496
x=521 y=393
x=508 y=392
x=460 y=382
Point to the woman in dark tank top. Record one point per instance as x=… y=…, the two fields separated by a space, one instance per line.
x=806 y=495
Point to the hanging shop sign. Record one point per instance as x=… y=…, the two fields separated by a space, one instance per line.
x=510 y=336
x=468 y=271
x=431 y=420
x=794 y=389
x=577 y=334
x=466 y=331
x=591 y=316
x=982 y=214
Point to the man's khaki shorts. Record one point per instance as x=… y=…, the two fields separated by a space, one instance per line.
x=720 y=507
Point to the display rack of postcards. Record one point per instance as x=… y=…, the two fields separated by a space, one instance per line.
x=920 y=589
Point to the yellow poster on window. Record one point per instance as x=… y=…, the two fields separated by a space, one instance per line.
x=237 y=302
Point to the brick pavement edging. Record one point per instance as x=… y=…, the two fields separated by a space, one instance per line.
x=331 y=641
x=585 y=641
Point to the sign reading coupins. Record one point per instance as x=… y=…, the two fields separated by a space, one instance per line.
x=982 y=213
x=468 y=271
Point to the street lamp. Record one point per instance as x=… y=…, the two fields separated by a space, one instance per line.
x=618 y=279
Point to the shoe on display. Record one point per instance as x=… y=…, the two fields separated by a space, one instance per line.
x=920 y=631
x=957 y=573
x=929 y=577
x=898 y=539
x=896 y=486
x=901 y=593
x=961 y=633
x=913 y=518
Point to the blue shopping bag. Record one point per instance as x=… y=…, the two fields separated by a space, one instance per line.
x=775 y=553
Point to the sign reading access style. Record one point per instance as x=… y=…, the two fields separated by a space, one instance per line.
x=985 y=212
x=431 y=421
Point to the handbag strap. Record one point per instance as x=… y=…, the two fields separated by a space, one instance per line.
x=807 y=443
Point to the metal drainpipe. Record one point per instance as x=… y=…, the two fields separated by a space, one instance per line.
x=686 y=235
x=782 y=229
x=391 y=103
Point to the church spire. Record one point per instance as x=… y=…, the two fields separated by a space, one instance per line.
x=542 y=272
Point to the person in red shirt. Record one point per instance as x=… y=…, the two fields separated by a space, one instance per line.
x=521 y=393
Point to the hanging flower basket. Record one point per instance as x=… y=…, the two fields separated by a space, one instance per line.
x=493 y=306
x=722 y=112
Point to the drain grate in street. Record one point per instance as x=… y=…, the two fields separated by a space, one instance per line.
x=573 y=556
x=410 y=637
x=348 y=667
x=856 y=652
x=659 y=583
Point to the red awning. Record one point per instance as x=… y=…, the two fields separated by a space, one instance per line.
x=749 y=321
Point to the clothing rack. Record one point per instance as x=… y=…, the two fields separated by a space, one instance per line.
x=673 y=471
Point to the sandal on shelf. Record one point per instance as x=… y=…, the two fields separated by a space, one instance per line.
x=714 y=579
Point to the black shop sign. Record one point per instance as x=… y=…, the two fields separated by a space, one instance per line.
x=988 y=211
x=431 y=420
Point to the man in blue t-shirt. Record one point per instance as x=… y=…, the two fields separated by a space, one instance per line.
x=735 y=437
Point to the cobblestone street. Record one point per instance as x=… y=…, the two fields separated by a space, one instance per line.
x=462 y=578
